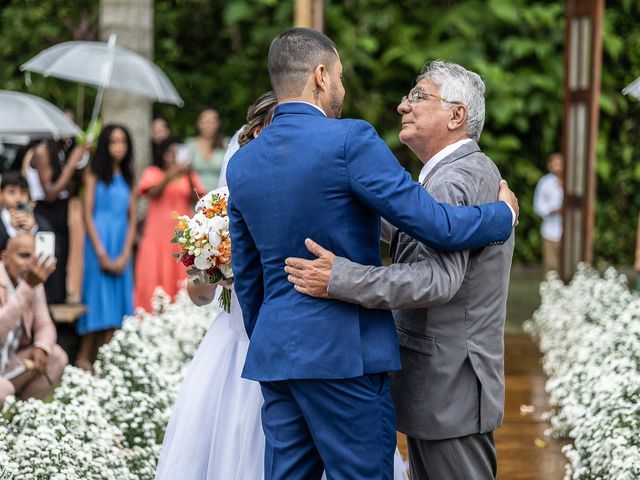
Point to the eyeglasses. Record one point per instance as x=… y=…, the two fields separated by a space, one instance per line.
x=416 y=95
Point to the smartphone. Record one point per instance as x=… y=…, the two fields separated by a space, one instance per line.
x=183 y=155
x=23 y=207
x=46 y=244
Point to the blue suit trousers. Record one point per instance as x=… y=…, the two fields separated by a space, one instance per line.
x=346 y=427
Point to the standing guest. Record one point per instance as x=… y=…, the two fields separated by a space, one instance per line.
x=172 y=188
x=547 y=203
x=26 y=329
x=17 y=209
x=110 y=218
x=207 y=148
x=50 y=175
x=160 y=131
x=23 y=157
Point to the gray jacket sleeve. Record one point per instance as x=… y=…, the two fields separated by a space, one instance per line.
x=433 y=279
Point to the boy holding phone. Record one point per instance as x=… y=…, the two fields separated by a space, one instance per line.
x=17 y=209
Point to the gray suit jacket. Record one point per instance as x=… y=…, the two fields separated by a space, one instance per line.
x=450 y=312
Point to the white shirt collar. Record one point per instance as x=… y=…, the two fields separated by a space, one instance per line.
x=445 y=152
x=307 y=103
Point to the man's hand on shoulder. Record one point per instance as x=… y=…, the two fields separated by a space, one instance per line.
x=311 y=277
x=506 y=195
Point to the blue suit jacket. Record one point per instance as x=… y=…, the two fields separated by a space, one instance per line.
x=310 y=176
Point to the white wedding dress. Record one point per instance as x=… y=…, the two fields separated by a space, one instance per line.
x=215 y=431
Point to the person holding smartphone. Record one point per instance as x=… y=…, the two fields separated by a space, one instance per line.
x=31 y=361
x=17 y=209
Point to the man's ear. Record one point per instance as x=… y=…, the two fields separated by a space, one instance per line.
x=321 y=74
x=3 y=256
x=458 y=117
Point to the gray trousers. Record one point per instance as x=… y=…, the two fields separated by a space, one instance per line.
x=465 y=458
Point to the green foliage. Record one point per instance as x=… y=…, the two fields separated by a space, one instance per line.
x=215 y=53
x=28 y=27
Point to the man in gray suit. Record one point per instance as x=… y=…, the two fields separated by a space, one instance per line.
x=449 y=308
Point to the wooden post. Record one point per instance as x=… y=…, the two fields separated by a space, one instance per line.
x=303 y=14
x=318 y=15
x=132 y=21
x=583 y=65
x=309 y=14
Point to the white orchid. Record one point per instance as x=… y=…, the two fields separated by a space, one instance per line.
x=217 y=230
x=202 y=260
x=198 y=225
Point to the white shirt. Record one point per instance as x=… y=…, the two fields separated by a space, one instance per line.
x=433 y=161
x=445 y=152
x=547 y=198
x=12 y=231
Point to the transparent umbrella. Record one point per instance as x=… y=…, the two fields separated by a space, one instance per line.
x=104 y=65
x=23 y=114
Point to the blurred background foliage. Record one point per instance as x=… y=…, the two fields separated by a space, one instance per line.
x=215 y=53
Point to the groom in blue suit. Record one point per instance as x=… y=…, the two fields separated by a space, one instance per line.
x=322 y=364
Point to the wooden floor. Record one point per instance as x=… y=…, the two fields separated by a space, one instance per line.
x=524 y=453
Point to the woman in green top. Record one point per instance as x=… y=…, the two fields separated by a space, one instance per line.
x=207 y=148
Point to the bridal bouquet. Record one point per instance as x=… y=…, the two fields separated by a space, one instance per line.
x=204 y=241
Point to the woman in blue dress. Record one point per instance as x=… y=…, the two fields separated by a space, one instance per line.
x=110 y=218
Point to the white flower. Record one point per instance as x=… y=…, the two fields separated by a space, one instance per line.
x=226 y=270
x=216 y=227
x=207 y=200
x=203 y=260
x=589 y=333
x=198 y=225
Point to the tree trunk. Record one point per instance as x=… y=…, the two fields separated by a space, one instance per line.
x=132 y=22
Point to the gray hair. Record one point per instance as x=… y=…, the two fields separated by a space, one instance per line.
x=457 y=84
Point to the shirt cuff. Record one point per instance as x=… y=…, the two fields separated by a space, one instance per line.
x=514 y=218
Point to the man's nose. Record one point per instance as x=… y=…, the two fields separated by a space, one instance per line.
x=404 y=107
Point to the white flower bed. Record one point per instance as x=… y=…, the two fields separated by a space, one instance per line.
x=589 y=333
x=111 y=425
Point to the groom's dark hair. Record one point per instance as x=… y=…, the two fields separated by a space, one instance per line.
x=293 y=55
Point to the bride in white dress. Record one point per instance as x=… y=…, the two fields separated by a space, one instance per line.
x=215 y=431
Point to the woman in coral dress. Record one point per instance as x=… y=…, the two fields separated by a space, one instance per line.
x=172 y=188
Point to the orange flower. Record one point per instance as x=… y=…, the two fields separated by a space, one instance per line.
x=224 y=251
x=182 y=225
x=219 y=206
